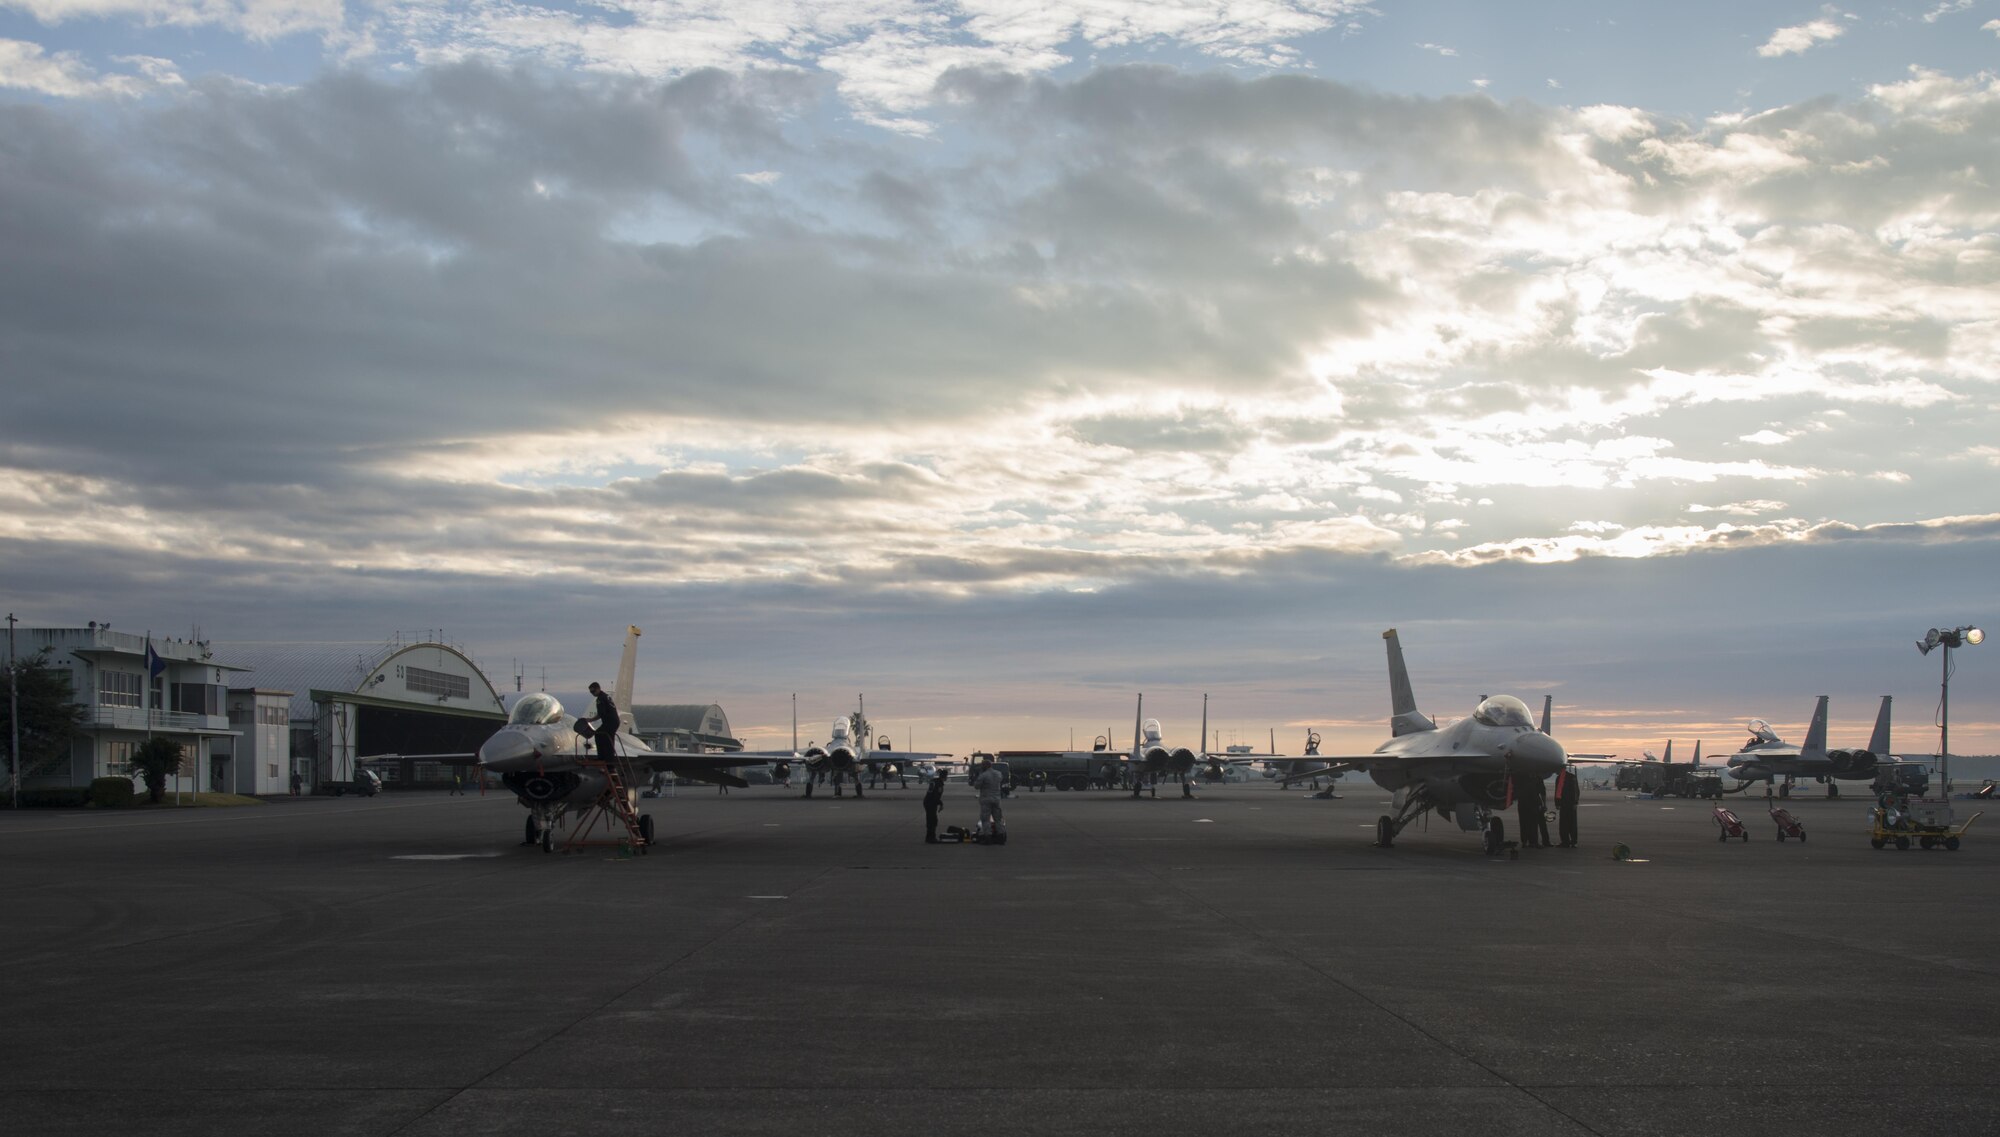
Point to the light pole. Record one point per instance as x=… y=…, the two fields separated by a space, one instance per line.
x=13 y=719
x=1947 y=638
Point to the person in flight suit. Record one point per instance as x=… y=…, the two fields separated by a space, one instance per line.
x=1528 y=810
x=1568 y=791
x=989 y=782
x=933 y=801
x=607 y=720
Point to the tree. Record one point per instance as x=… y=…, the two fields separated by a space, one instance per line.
x=155 y=759
x=50 y=715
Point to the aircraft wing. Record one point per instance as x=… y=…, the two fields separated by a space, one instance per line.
x=902 y=756
x=440 y=759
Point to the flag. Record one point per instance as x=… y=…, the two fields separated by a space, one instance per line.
x=155 y=666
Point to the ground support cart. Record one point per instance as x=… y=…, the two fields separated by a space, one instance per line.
x=1788 y=826
x=1729 y=825
x=1926 y=836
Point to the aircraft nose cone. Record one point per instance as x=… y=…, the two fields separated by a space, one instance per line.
x=506 y=750
x=1536 y=755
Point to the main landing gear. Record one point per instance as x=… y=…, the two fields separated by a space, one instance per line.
x=1493 y=831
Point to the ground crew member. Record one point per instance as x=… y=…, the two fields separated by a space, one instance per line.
x=607 y=723
x=933 y=801
x=989 y=783
x=1568 y=790
x=1528 y=810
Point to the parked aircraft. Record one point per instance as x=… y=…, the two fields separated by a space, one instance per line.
x=851 y=748
x=1765 y=757
x=1465 y=771
x=553 y=768
x=1664 y=777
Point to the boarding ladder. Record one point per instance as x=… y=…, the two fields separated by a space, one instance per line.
x=616 y=809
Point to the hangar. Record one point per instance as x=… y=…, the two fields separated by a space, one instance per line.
x=403 y=696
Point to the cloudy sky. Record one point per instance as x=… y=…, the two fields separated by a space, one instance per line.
x=1003 y=359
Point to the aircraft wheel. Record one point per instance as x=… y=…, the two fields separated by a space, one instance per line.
x=1746 y=837
x=1385 y=831
x=531 y=835
x=1951 y=844
x=1496 y=836
x=1902 y=842
x=1878 y=842
x=1722 y=836
x=1802 y=836
x=549 y=839
x=646 y=828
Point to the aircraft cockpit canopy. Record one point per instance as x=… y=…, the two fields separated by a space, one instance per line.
x=537 y=709
x=1151 y=729
x=1760 y=731
x=1503 y=710
x=840 y=728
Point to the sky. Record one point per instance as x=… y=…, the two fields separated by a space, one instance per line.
x=1005 y=360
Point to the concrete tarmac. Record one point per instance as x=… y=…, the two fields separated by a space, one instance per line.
x=1243 y=962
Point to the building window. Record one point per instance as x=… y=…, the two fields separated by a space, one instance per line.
x=271 y=770
x=199 y=698
x=273 y=716
x=120 y=689
x=117 y=758
x=424 y=682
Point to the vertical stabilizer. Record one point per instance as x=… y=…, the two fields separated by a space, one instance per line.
x=1815 y=742
x=1548 y=705
x=1697 y=751
x=1670 y=752
x=1204 y=725
x=621 y=691
x=1137 y=713
x=1878 y=742
x=1404 y=718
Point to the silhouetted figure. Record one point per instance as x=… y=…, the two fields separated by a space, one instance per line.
x=1568 y=791
x=1528 y=811
x=606 y=717
x=933 y=801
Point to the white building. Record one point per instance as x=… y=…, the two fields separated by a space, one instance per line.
x=360 y=700
x=263 y=760
x=131 y=691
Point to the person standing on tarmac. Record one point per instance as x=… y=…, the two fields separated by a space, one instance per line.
x=933 y=801
x=607 y=720
x=989 y=783
x=1568 y=790
x=1528 y=811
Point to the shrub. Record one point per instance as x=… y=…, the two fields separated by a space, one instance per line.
x=111 y=793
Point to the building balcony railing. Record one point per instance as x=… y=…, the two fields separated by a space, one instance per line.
x=136 y=718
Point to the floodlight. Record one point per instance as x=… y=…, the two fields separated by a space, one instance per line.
x=1974 y=636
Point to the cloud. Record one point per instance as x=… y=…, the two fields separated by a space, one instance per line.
x=1800 y=38
x=1948 y=8
x=29 y=67
x=1652 y=541
x=485 y=322
x=1438 y=48
x=258 y=19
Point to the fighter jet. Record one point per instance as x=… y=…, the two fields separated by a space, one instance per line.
x=551 y=763
x=853 y=747
x=1465 y=771
x=1765 y=757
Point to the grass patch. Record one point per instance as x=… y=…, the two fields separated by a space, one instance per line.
x=203 y=800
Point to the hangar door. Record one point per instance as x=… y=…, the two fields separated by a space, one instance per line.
x=381 y=730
